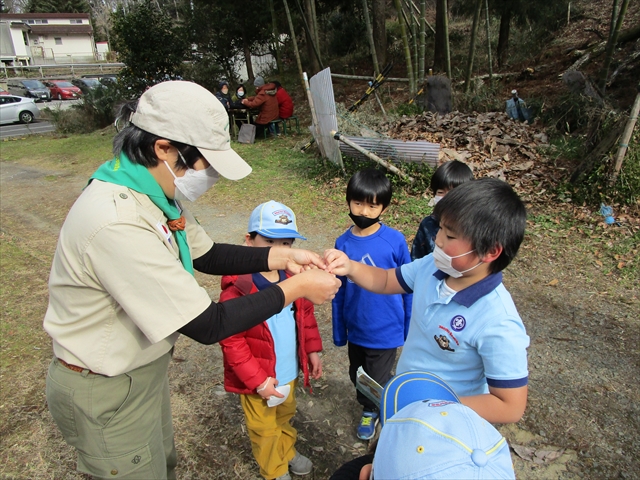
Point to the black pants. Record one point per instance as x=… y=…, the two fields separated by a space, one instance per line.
x=376 y=362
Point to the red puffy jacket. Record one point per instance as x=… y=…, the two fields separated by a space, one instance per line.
x=249 y=357
x=285 y=104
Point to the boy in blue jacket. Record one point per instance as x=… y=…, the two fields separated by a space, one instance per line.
x=465 y=327
x=372 y=325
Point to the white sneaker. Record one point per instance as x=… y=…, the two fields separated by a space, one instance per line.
x=300 y=465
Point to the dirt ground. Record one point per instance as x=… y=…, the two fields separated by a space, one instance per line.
x=581 y=421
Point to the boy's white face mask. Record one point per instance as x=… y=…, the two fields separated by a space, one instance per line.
x=437 y=198
x=443 y=262
x=194 y=183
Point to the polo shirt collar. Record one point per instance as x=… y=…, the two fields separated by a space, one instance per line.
x=473 y=293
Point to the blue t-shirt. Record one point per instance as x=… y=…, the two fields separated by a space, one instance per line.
x=282 y=326
x=472 y=339
x=368 y=319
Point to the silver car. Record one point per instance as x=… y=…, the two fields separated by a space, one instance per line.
x=17 y=109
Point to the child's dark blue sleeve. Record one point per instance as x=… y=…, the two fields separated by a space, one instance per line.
x=425 y=239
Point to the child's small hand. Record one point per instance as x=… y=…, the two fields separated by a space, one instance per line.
x=316 y=365
x=268 y=389
x=338 y=262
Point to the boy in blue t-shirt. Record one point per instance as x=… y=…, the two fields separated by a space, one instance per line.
x=372 y=325
x=447 y=176
x=465 y=327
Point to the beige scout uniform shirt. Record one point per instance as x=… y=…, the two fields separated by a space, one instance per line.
x=118 y=291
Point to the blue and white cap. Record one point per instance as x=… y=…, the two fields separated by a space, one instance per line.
x=436 y=439
x=274 y=220
x=413 y=386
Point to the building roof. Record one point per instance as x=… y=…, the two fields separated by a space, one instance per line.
x=61 y=29
x=33 y=16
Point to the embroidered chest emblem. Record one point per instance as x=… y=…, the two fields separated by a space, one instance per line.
x=443 y=342
x=458 y=323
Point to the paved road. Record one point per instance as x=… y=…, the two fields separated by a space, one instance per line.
x=39 y=126
x=19 y=129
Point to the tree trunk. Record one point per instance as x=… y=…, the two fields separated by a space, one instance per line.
x=423 y=40
x=439 y=49
x=503 y=38
x=407 y=50
x=490 y=63
x=295 y=45
x=472 y=44
x=372 y=47
x=379 y=13
x=276 y=38
x=247 y=60
x=611 y=44
x=312 y=51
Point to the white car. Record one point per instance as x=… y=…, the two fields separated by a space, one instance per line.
x=17 y=109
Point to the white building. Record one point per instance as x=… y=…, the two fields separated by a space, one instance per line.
x=46 y=38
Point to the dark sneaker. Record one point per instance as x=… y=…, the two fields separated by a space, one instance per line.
x=367 y=427
x=300 y=465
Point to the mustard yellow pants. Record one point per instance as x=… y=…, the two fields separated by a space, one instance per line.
x=270 y=431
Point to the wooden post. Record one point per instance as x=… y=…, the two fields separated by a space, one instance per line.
x=372 y=156
x=626 y=137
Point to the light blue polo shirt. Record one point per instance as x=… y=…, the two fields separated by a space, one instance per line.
x=282 y=326
x=472 y=339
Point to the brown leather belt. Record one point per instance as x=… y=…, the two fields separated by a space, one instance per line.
x=75 y=368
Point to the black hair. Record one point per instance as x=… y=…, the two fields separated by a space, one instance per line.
x=139 y=145
x=449 y=175
x=488 y=213
x=277 y=84
x=370 y=185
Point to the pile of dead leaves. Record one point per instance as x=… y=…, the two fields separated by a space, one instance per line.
x=492 y=144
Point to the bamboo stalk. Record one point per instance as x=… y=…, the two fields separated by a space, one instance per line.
x=372 y=47
x=407 y=50
x=372 y=156
x=472 y=45
x=486 y=7
x=295 y=44
x=626 y=137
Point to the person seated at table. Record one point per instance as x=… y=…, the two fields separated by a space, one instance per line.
x=236 y=99
x=265 y=100
x=285 y=103
x=223 y=94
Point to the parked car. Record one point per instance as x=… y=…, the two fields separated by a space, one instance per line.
x=63 y=89
x=86 y=84
x=17 y=109
x=103 y=78
x=3 y=91
x=29 y=88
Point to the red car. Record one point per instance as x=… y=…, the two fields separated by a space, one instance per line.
x=62 y=89
x=3 y=91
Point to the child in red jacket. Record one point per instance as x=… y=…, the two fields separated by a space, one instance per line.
x=262 y=364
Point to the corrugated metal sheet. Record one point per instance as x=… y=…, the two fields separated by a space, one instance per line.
x=325 y=105
x=394 y=150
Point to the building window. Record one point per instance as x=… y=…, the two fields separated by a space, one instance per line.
x=31 y=21
x=75 y=21
x=58 y=40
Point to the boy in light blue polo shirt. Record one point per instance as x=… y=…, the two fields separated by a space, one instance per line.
x=464 y=326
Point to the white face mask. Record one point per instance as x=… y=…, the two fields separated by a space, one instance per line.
x=443 y=262
x=193 y=183
x=240 y=93
x=437 y=198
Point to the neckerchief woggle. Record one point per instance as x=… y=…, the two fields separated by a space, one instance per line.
x=122 y=171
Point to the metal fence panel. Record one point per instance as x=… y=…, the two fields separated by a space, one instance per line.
x=325 y=105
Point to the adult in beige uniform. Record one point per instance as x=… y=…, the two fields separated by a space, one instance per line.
x=122 y=288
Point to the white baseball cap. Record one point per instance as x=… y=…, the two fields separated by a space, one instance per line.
x=189 y=113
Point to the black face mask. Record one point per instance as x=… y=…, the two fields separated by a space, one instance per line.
x=363 y=222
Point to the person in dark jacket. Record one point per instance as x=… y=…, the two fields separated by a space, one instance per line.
x=265 y=100
x=223 y=95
